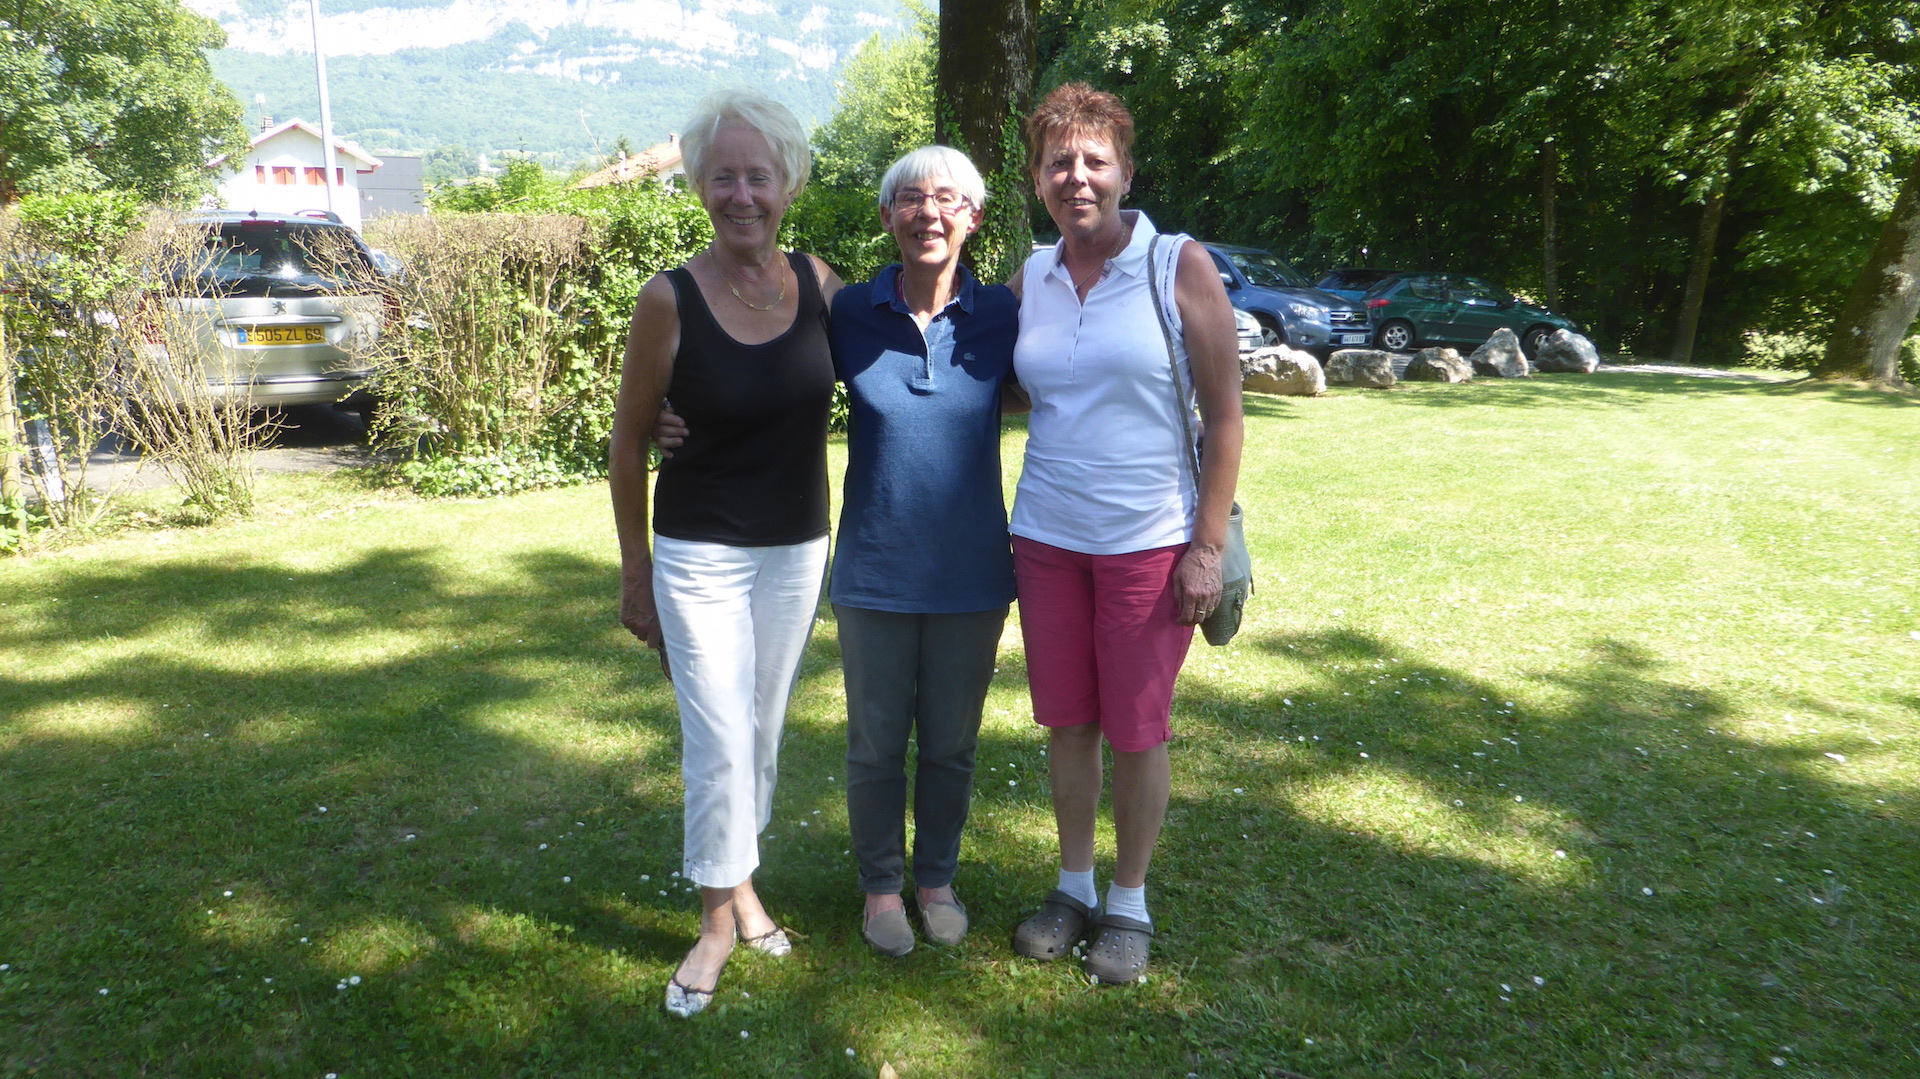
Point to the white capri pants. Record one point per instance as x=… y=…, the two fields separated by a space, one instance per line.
x=735 y=621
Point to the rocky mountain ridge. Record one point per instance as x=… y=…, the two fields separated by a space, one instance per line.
x=559 y=79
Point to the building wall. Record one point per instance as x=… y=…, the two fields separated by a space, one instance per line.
x=285 y=175
x=398 y=188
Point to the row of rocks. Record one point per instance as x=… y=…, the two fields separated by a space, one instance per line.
x=1290 y=372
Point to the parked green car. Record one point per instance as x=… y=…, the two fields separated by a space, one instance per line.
x=1414 y=309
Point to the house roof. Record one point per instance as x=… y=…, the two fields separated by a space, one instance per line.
x=653 y=161
x=340 y=145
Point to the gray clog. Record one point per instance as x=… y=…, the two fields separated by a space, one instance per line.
x=1119 y=952
x=1052 y=933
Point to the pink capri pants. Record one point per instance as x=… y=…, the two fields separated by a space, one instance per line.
x=1103 y=638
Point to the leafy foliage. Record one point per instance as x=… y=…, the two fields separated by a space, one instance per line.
x=111 y=93
x=504 y=375
x=1331 y=131
x=885 y=108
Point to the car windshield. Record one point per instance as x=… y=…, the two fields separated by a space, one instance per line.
x=1266 y=268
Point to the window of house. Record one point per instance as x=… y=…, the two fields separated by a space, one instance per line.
x=283 y=175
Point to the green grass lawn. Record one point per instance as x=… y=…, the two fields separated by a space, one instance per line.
x=1572 y=734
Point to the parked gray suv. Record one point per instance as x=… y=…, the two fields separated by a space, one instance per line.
x=281 y=305
x=1290 y=311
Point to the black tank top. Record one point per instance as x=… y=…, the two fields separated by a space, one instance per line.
x=753 y=470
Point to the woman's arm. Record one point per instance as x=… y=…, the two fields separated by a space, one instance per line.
x=1213 y=355
x=653 y=337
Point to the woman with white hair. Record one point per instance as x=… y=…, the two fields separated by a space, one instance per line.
x=737 y=338
x=922 y=569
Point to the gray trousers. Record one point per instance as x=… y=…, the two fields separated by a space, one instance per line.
x=925 y=676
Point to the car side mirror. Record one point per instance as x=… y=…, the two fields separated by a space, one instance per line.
x=1227 y=280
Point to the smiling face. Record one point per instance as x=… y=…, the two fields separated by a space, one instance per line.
x=742 y=188
x=1081 y=178
x=929 y=237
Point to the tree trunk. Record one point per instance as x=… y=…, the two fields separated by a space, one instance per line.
x=1696 y=295
x=1549 y=225
x=1884 y=300
x=985 y=86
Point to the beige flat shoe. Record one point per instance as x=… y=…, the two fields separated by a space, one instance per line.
x=944 y=923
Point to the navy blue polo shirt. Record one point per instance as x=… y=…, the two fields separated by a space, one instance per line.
x=923 y=523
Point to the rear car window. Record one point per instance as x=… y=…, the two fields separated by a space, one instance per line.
x=263 y=258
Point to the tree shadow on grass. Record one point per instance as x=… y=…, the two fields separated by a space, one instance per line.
x=202 y=765
x=476 y=742
x=1691 y=899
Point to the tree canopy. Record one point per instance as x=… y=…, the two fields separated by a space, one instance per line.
x=111 y=93
x=1573 y=147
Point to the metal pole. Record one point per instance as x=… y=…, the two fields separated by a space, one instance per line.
x=13 y=492
x=326 y=107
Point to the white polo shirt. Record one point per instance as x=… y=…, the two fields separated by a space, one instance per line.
x=1105 y=469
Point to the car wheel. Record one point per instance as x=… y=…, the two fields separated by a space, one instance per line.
x=1531 y=341
x=1396 y=335
x=1271 y=336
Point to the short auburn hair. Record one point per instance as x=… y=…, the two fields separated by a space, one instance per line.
x=1076 y=108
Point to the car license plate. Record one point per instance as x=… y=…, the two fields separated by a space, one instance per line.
x=1353 y=338
x=283 y=335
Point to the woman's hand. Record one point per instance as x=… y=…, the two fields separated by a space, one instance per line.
x=641 y=617
x=669 y=430
x=1196 y=584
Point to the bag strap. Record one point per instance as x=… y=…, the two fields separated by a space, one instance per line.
x=1173 y=360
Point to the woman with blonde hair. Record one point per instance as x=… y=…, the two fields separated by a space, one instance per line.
x=737 y=339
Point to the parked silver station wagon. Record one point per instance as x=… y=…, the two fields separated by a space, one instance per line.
x=279 y=323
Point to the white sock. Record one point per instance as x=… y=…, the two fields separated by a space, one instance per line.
x=1128 y=902
x=1080 y=886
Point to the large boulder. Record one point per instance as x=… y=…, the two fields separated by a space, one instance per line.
x=1361 y=367
x=1285 y=371
x=1500 y=357
x=1439 y=365
x=1565 y=350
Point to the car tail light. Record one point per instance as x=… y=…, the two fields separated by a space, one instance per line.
x=391 y=312
x=146 y=320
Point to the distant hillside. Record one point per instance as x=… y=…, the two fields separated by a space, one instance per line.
x=560 y=79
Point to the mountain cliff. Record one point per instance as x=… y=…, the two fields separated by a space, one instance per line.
x=560 y=79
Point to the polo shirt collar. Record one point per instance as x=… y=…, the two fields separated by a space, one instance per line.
x=886 y=289
x=1132 y=259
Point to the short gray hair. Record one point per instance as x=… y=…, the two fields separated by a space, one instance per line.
x=748 y=108
x=916 y=167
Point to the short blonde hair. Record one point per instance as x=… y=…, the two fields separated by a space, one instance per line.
x=751 y=109
x=916 y=167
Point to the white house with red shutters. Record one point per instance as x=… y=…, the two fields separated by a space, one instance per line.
x=284 y=170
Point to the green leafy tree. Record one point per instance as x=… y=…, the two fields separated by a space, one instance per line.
x=886 y=108
x=1648 y=163
x=111 y=93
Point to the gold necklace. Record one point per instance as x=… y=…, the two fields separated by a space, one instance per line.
x=736 y=292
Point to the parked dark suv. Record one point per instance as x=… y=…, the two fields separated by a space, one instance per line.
x=280 y=304
x=1290 y=311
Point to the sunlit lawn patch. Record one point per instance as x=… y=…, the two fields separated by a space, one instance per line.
x=1571 y=734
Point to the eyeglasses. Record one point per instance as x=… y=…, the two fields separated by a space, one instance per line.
x=944 y=201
